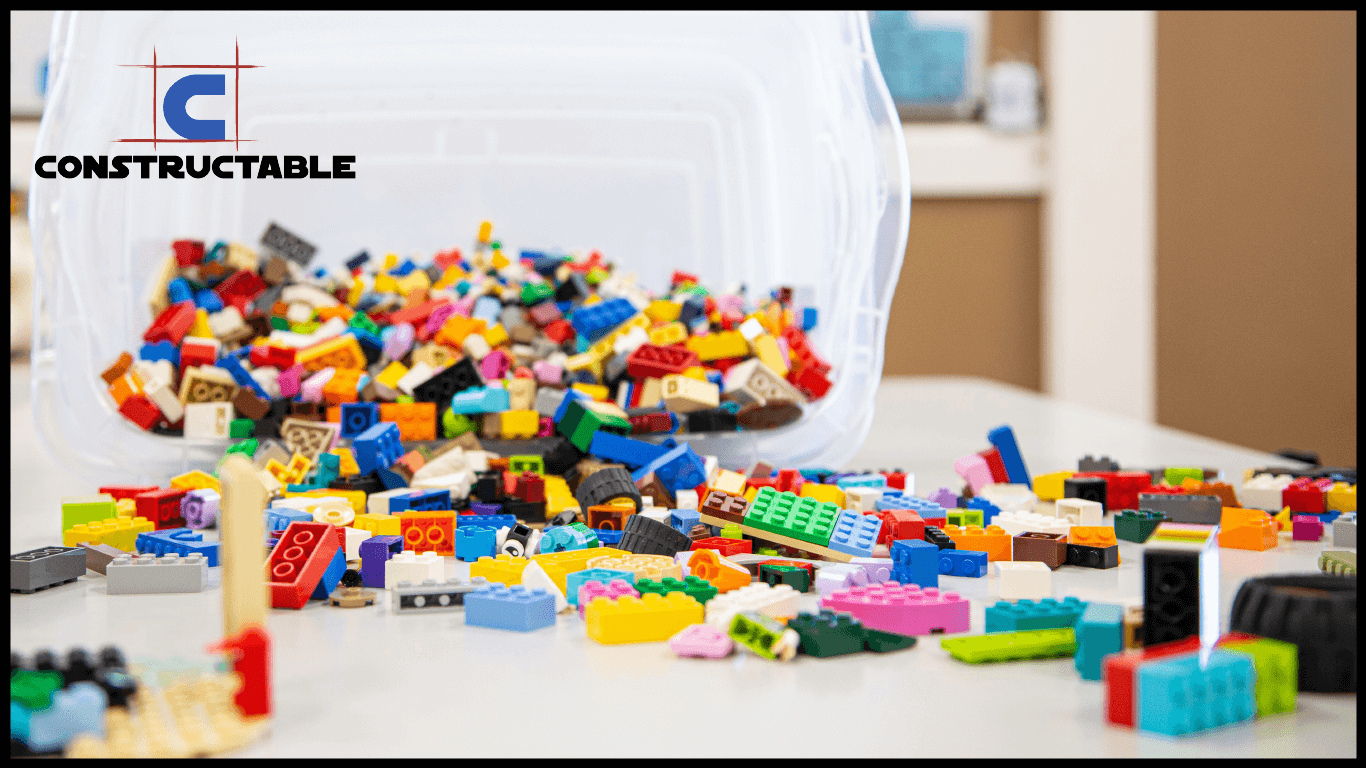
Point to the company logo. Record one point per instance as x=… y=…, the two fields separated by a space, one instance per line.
x=174 y=105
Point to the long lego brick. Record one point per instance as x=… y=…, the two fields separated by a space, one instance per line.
x=902 y=610
x=1178 y=696
x=148 y=574
x=298 y=563
x=777 y=538
x=1021 y=615
x=516 y=608
x=1003 y=438
x=433 y=597
x=1012 y=646
x=647 y=619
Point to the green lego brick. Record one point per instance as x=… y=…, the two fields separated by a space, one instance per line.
x=1340 y=563
x=589 y=535
x=795 y=577
x=454 y=425
x=278 y=323
x=882 y=642
x=798 y=517
x=526 y=463
x=87 y=509
x=1277 y=666
x=828 y=634
x=1137 y=525
x=580 y=422
x=246 y=447
x=1012 y=646
x=964 y=517
x=534 y=292
x=240 y=428
x=695 y=587
x=363 y=322
x=763 y=635
x=34 y=689
x=1174 y=475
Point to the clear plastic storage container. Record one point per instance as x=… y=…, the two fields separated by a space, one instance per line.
x=754 y=148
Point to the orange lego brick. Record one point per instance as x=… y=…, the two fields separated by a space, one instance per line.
x=341 y=388
x=453 y=333
x=340 y=310
x=333 y=414
x=416 y=421
x=125 y=387
x=412 y=460
x=342 y=353
x=994 y=540
x=1251 y=529
x=720 y=572
x=1092 y=535
x=429 y=531
x=1227 y=496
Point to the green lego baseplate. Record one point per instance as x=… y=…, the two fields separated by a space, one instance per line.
x=1012 y=646
x=798 y=517
x=1339 y=563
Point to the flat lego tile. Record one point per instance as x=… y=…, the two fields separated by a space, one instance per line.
x=1022 y=645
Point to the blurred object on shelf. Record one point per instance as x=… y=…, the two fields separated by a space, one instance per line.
x=1012 y=97
x=933 y=61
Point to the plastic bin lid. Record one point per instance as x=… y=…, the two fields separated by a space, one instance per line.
x=757 y=148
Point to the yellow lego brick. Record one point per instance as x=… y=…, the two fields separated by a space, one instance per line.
x=650 y=618
x=451 y=276
x=278 y=471
x=496 y=335
x=820 y=492
x=1340 y=498
x=499 y=260
x=663 y=311
x=591 y=300
x=559 y=565
x=298 y=468
x=519 y=425
x=669 y=333
x=416 y=280
x=357 y=290
x=485 y=231
x=385 y=284
x=1049 y=487
x=1282 y=519
x=763 y=320
x=241 y=257
x=585 y=361
x=355 y=498
x=717 y=346
x=766 y=349
x=126 y=508
x=751 y=493
x=596 y=391
x=120 y=532
x=348 y=462
x=391 y=374
x=643 y=566
x=341 y=352
x=695 y=372
x=378 y=525
x=200 y=328
x=503 y=569
x=194 y=480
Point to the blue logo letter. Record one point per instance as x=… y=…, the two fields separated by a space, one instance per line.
x=180 y=93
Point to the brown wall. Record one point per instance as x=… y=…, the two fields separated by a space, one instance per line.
x=1256 y=228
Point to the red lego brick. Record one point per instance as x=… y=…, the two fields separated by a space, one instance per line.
x=762 y=482
x=127 y=491
x=162 y=507
x=790 y=480
x=724 y=546
x=432 y=531
x=447 y=259
x=1303 y=495
x=899 y=525
x=651 y=423
x=937 y=522
x=558 y=331
x=809 y=379
x=298 y=562
x=193 y=353
x=418 y=313
x=250 y=649
x=726 y=363
x=682 y=277
x=654 y=361
x=172 y=324
x=796 y=342
x=188 y=252
x=530 y=487
x=276 y=357
x=241 y=287
x=1121 y=488
x=895 y=480
x=997 y=467
x=141 y=411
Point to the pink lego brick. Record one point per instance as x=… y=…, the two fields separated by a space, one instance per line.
x=464 y=306
x=902 y=609
x=289 y=380
x=546 y=427
x=311 y=391
x=494 y=365
x=702 y=641
x=974 y=470
x=611 y=590
x=1306 y=528
x=547 y=373
x=438 y=318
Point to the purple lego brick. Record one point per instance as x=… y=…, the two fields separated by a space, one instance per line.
x=374 y=553
x=903 y=610
x=485 y=508
x=944 y=498
x=200 y=508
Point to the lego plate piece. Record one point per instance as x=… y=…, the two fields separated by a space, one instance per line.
x=432 y=596
x=780 y=601
x=702 y=641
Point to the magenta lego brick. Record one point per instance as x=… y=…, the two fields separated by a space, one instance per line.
x=902 y=609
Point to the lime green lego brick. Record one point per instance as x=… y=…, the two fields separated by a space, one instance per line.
x=731 y=531
x=798 y=517
x=964 y=517
x=454 y=425
x=87 y=509
x=405 y=400
x=1012 y=646
x=526 y=463
x=1277 y=666
x=1174 y=475
x=1338 y=562
x=757 y=632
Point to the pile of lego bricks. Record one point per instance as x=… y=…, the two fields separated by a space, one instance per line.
x=247 y=343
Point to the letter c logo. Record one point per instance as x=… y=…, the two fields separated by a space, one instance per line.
x=180 y=93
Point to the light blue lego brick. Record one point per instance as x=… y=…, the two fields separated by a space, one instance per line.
x=855 y=534
x=480 y=400
x=862 y=481
x=80 y=708
x=180 y=541
x=329 y=468
x=562 y=538
x=331 y=577
x=487 y=521
x=1023 y=615
x=18 y=721
x=1003 y=438
x=893 y=499
x=962 y=562
x=1176 y=697
x=577 y=579
x=377 y=447
x=915 y=562
x=240 y=375
x=475 y=541
x=487 y=308
x=629 y=451
x=513 y=608
x=1100 y=632
x=279 y=518
x=683 y=520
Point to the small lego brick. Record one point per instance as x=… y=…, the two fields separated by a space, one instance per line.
x=1171 y=594
x=1024 y=580
x=694 y=586
x=1276 y=667
x=98 y=556
x=993 y=540
x=1345 y=531
x=899 y=525
x=200 y=508
x=1093 y=557
x=702 y=641
x=1021 y=645
x=1306 y=528
x=1003 y=439
x=1100 y=632
x=773 y=574
x=411 y=566
x=473 y=542
x=432 y=596
x=1047 y=548
x=612 y=590
x=120 y=532
x=1092 y=536
x=934 y=535
x=1137 y=525
x=1252 y=529
x=574 y=581
x=1085 y=488
x=724 y=546
x=1338 y=563
x=649 y=618
x=723 y=574
x=855 y=533
x=1181 y=532
x=1179 y=696
x=87 y=509
x=45 y=567
x=500 y=569
x=954 y=562
x=428 y=531
x=764 y=636
x=179 y=541
x=1049 y=487
x=1079 y=512
x=374 y=553
x=916 y=562
x=964 y=517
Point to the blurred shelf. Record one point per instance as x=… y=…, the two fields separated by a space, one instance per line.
x=969 y=160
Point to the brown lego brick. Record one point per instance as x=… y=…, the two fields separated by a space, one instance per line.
x=1047 y=548
x=99 y=556
x=249 y=405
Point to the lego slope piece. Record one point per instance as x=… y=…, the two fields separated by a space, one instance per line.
x=702 y=641
x=1177 y=696
x=649 y=618
x=149 y=574
x=1023 y=645
x=45 y=567
x=902 y=610
x=767 y=638
x=829 y=634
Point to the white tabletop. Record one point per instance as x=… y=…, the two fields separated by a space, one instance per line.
x=364 y=682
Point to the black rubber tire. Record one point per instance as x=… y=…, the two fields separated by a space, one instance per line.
x=1316 y=612
x=644 y=536
x=561 y=457
x=607 y=484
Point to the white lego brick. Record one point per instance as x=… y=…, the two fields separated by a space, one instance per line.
x=164 y=399
x=208 y=421
x=448 y=462
x=307 y=294
x=729 y=482
x=477 y=461
x=760 y=596
x=656 y=513
x=410 y=566
x=1345 y=531
x=161 y=370
x=1010 y=497
x=862 y=499
x=458 y=483
x=227 y=323
x=268 y=377
x=378 y=503
x=533 y=576
x=877 y=570
x=1025 y=580
x=476 y=346
x=354 y=536
x=686 y=499
x=416 y=375
x=1080 y=511
x=628 y=342
x=1046 y=508
x=1016 y=523
x=837 y=576
x=1264 y=492
x=711 y=466
x=149 y=574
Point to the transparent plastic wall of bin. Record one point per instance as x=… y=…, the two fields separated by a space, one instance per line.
x=760 y=149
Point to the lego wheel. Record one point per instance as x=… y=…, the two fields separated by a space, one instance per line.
x=605 y=485
x=645 y=536
x=1318 y=613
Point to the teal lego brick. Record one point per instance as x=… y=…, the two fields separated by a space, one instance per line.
x=1047 y=613
x=1100 y=632
x=1176 y=697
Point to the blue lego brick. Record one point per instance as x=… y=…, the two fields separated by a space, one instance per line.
x=862 y=481
x=1100 y=632
x=577 y=579
x=487 y=308
x=514 y=608
x=404 y=269
x=331 y=577
x=208 y=301
x=421 y=501
x=366 y=339
x=595 y=321
x=475 y=541
x=989 y=510
x=279 y=518
x=377 y=447
x=374 y=553
x=607 y=538
x=181 y=541
x=1024 y=615
x=631 y=452
x=390 y=479
x=694 y=307
x=680 y=468
x=543 y=265
x=1176 y=697
x=915 y=562
x=962 y=562
x=357 y=261
x=683 y=520
x=480 y=400
x=855 y=534
x=1003 y=438
x=240 y=375
x=570 y=395
x=1326 y=517
x=809 y=318
x=893 y=499
x=492 y=521
x=162 y=350
x=716 y=378
x=178 y=290
x=815 y=474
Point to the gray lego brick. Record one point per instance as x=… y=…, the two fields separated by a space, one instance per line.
x=1103 y=464
x=1345 y=531
x=1180 y=508
x=45 y=567
x=433 y=597
x=148 y=574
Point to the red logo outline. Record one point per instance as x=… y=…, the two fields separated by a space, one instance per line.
x=237 y=68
